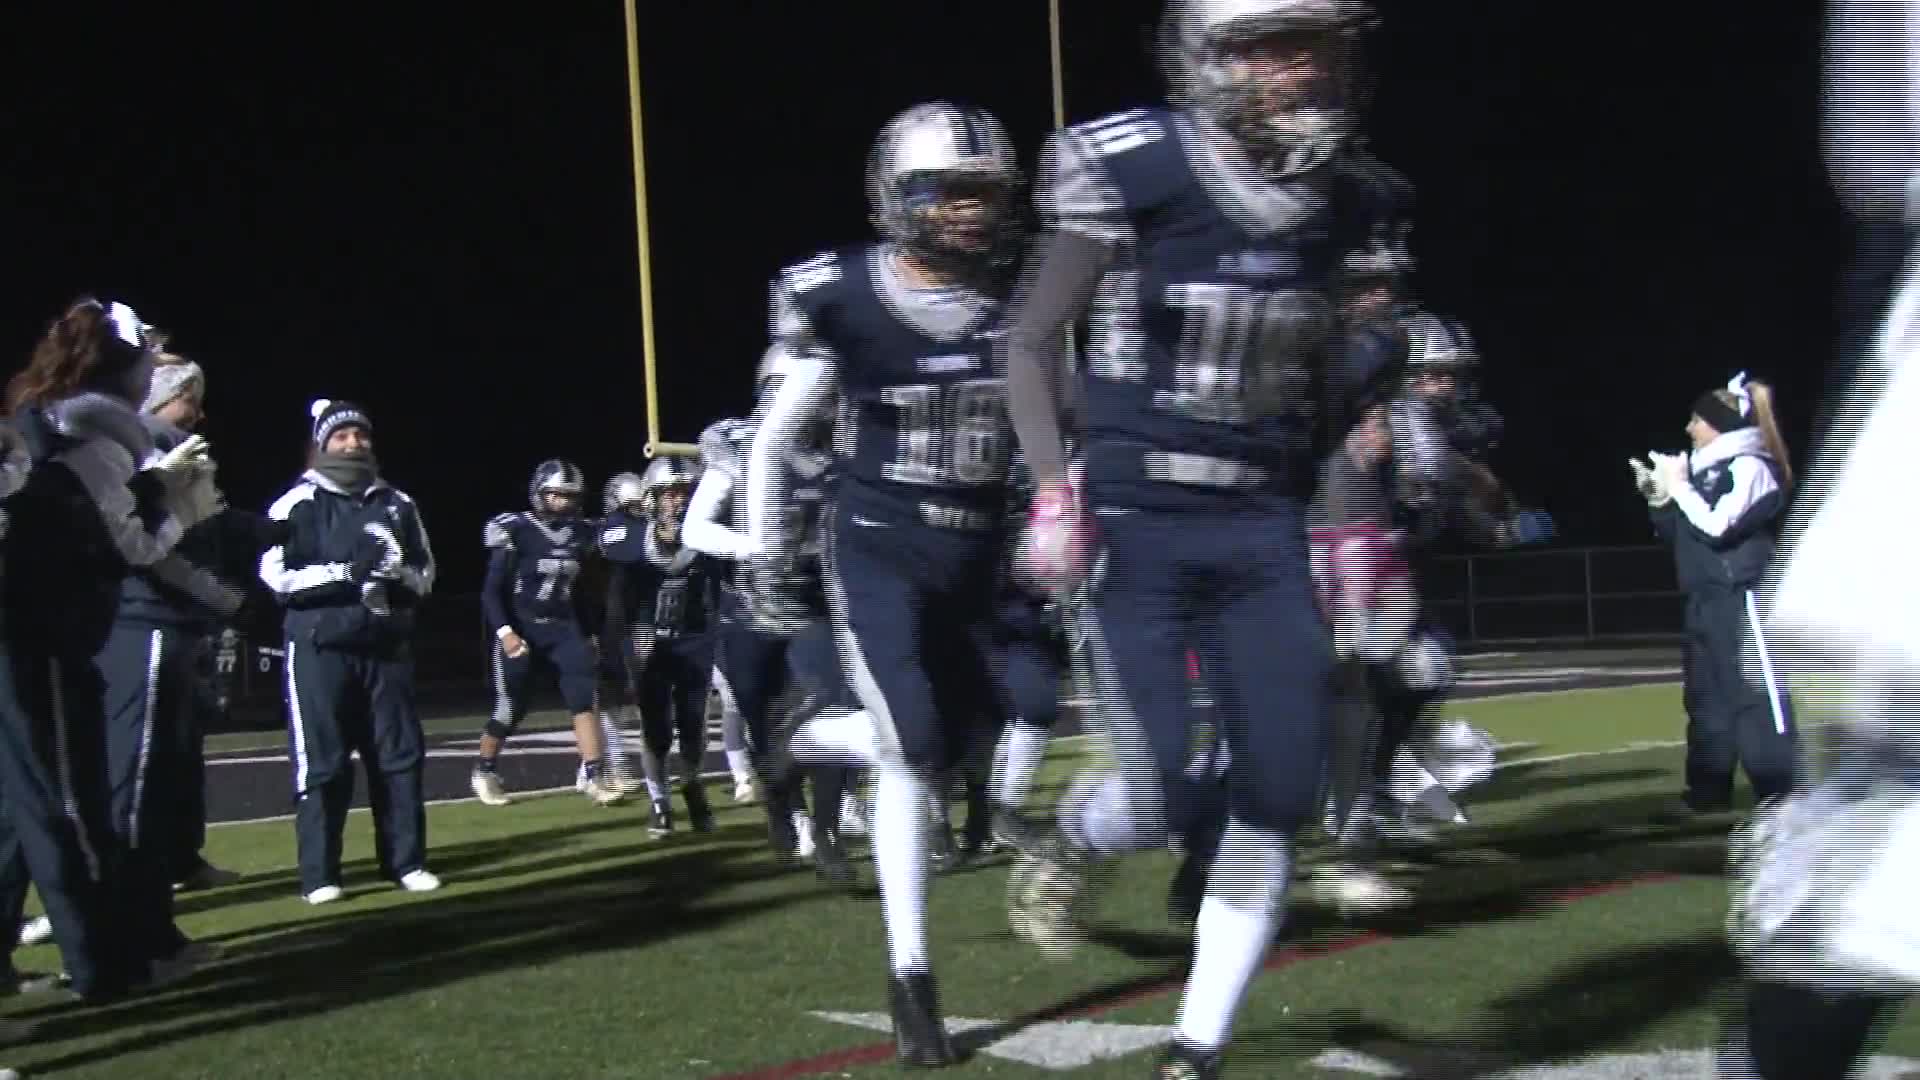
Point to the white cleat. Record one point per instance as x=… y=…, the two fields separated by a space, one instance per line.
x=422 y=880
x=745 y=793
x=489 y=790
x=36 y=930
x=325 y=894
x=1357 y=890
x=600 y=794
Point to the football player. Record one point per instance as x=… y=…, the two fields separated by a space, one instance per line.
x=902 y=337
x=1209 y=239
x=536 y=617
x=759 y=655
x=716 y=526
x=664 y=606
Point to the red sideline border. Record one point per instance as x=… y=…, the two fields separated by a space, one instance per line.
x=881 y=1052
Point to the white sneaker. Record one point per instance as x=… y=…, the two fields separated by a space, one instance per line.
x=600 y=794
x=489 y=790
x=36 y=930
x=744 y=791
x=421 y=880
x=803 y=829
x=853 y=817
x=325 y=894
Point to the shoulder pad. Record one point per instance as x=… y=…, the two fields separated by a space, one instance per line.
x=815 y=273
x=1121 y=132
x=499 y=531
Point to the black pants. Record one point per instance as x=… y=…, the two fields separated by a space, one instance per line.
x=188 y=820
x=149 y=704
x=58 y=821
x=1730 y=722
x=341 y=702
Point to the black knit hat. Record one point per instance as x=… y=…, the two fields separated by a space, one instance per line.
x=330 y=416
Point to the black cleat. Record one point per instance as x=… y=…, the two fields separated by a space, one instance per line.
x=919 y=1033
x=662 y=818
x=782 y=835
x=699 y=812
x=830 y=859
x=1185 y=1062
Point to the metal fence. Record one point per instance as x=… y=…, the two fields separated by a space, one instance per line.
x=1570 y=595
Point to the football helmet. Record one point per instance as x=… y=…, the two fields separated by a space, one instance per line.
x=557 y=477
x=623 y=491
x=943 y=186
x=1291 y=108
x=663 y=474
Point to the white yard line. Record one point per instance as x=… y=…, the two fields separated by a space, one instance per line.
x=1062 y=740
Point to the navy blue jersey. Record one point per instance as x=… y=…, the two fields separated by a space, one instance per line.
x=1216 y=348
x=921 y=431
x=532 y=569
x=668 y=592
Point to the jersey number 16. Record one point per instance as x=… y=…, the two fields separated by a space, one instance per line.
x=950 y=436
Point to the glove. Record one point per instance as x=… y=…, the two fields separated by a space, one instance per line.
x=1531 y=527
x=373 y=593
x=190 y=456
x=1052 y=552
x=1650 y=483
x=1671 y=470
x=197 y=499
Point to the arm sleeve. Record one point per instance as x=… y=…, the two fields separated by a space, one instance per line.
x=703 y=530
x=807 y=390
x=497 y=587
x=418 y=569
x=1733 y=516
x=105 y=469
x=1040 y=377
x=1087 y=227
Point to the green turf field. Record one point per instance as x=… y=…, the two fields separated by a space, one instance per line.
x=1559 y=926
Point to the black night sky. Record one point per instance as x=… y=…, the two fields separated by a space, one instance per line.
x=427 y=207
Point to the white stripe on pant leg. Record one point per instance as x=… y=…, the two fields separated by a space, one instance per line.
x=733 y=734
x=1766 y=666
x=502 y=703
x=852 y=660
x=298 y=725
x=154 y=645
x=1119 y=727
x=63 y=769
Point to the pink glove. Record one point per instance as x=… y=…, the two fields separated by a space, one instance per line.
x=1053 y=550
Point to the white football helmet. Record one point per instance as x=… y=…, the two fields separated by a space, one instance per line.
x=943 y=185
x=1287 y=123
x=622 y=491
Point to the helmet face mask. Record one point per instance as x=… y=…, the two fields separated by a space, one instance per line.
x=1280 y=76
x=943 y=184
